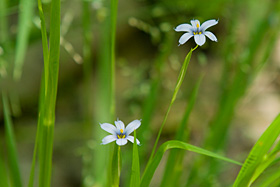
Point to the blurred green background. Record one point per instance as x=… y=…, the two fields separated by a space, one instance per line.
x=242 y=67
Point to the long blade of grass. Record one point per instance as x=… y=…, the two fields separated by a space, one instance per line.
x=268 y=160
x=115 y=167
x=44 y=44
x=116 y=164
x=151 y=168
x=257 y=154
x=272 y=180
x=11 y=144
x=25 y=22
x=51 y=80
x=39 y=131
x=135 y=170
x=177 y=87
x=174 y=164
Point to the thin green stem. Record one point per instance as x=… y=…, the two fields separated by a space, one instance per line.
x=177 y=87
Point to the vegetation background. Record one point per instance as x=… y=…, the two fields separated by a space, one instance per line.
x=237 y=100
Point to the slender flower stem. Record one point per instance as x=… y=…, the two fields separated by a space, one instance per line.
x=177 y=87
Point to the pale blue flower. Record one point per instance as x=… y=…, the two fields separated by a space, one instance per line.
x=120 y=133
x=197 y=31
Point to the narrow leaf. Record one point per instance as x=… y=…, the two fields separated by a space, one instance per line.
x=257 y=154
x=177 y=87
x=135 y=170
x=151 y=167
x=174 y=165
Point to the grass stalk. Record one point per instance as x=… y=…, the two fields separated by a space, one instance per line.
x=47 y=104
x=177 y=87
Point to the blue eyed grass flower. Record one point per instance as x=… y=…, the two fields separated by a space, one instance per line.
x=197 y=31
x=119 y=132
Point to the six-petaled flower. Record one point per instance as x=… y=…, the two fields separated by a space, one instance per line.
x=197 y=31
x=120 y=133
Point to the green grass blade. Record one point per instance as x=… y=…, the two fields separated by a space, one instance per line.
x=25 y=22
x=270 y=177
x=38 y=133
x=269 y=159
x=51 y=74
x=151 y=168
x=174 y=164
x=177 y=87
x=257 y=154
x=135 y=170
x=150 y=101
x=115 y=167
x=11 y=144
x=44 y=43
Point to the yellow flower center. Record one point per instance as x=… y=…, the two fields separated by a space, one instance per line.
x=197 y=25
x=121 y=136
x=194 y=33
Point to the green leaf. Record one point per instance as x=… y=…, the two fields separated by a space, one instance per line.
x=257 y=154
x=115 y=167
x=47 y=111
x=135 y=170
x=174 y=164
x=151 y=167
x=177 y=87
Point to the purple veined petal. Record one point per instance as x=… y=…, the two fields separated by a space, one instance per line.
x=108 y=139
x=211 y=36
x=195 y=23
x=132 y=126
x=184 y=28
x=208 y=24
x=184 y=38
x=131 y=139
x=119 y=124
x=109 y=128
x=121 y=141
x=199 y=39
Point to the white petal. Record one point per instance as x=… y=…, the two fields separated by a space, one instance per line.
x=199 y=39
x=132 y=126
x=131 y=138
x=122 y=141
x=184 y=38
x=109 y=128
x=208 y=24
x=108 y=139
x=184 y=27
x=119 y=124
x=194 y=23
x=211 y=36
